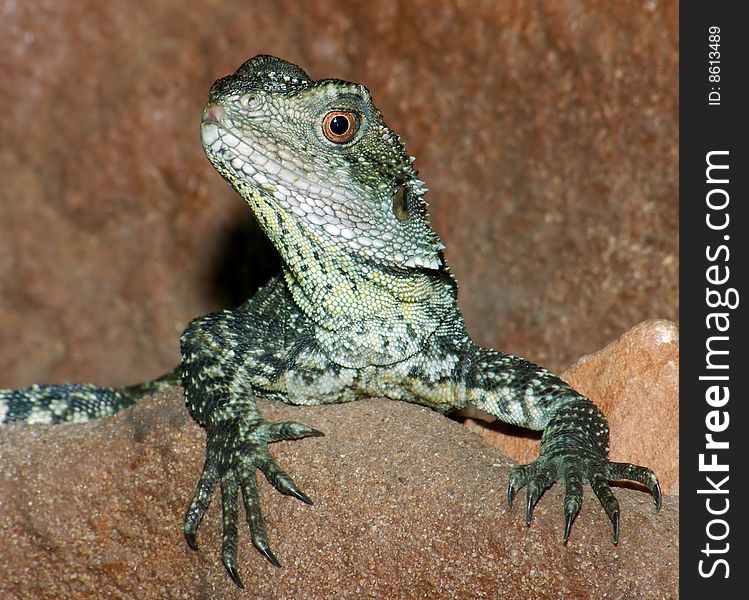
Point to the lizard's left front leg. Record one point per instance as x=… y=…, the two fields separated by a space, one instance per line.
x=225 y=356
x=574 y=444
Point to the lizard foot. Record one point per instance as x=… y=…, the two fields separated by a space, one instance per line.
x=234 y=452
x=573 y=465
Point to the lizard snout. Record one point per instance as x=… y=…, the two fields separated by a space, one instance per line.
x=213 y=113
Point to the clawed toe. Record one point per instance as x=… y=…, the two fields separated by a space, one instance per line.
x=191 y=540
x=570 y=511
x=232 y=570
x=657 y=496
x=292 y=490
x=541 y=474
x=233 y=457
x=642 y=475
x=290 y=430
x=536 y=478
x=606 y=497
x=268 y=554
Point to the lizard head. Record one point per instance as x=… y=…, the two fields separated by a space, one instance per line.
x=315 y=159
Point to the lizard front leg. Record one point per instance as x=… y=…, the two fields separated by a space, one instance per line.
x=574 y=444
x=225 y=356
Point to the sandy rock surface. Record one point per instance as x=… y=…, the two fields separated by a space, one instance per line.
x=408 y=504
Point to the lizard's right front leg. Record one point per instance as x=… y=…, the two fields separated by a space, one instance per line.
x=223 y=357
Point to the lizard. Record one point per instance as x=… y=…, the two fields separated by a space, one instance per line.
x=365 y=306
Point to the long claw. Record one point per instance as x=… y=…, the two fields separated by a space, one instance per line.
x=658 y=496
x=615 y=522
x=571 y=509
x=191 y=540
x=510 y=494
x=234 y=576
x=290 y=430
x=281 y=480
x=528 y=509
x=568 y=517
x=299 y=495
x=267 y=553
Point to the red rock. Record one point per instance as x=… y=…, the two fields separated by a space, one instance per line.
x=407 y=504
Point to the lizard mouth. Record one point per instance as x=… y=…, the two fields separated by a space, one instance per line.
x=233 y=154
x=225 y=149
x=279 y=177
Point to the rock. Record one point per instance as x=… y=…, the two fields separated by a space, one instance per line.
x=547 y=132
x=551 y=145
x=635 y=381
x=407 y=504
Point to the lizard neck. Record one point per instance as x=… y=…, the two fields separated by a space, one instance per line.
x=338 y=290
x=331 y=285
x=364 y=314
x=370 y=317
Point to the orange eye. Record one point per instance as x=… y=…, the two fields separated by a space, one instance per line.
x=339 y=126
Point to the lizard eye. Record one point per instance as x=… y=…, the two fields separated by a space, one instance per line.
x=339 y=126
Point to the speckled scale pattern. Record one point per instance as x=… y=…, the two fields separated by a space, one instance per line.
x=365 y=306
x=50 y=404
x=73 y=402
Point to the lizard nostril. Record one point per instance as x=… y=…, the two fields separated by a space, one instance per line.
x=249 y=101
x=214 y=113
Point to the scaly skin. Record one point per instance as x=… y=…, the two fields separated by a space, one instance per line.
x=365 y=306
